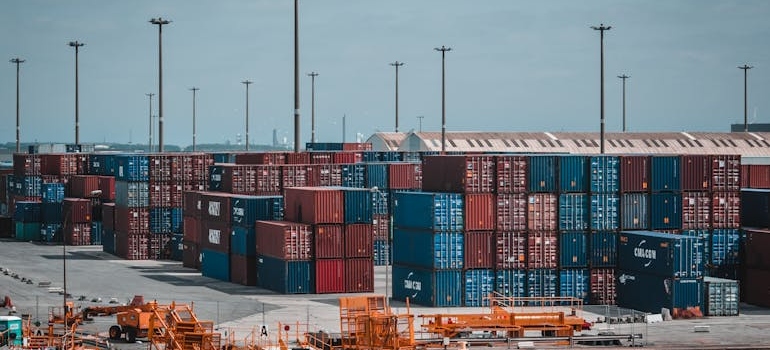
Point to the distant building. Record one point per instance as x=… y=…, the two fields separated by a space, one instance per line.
x=756 y=127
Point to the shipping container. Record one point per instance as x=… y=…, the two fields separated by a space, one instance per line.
x=298 y=158
x=28 y=186
x=27 y=231
x=329 y=276
x=542 y=283
x=50 y=233
x=284 y=240
x=243 y=241
x=246 y=210
x=721 y=298
x=634 y=214
x=666 y=173
x=479 y=212
x=605 y=211
x=705 y=236
x=635 y=173
x=603 y=286
x=572 y=173
x=215 y=236
x=132 y=194
x=132 y=168
x=381 y=254
x=725 y=247
x=295 y=175
x=663 y=254
x=158 y=246
x=745 y=181
x=573 y=249
x=463 y=174
x=216 y=206
x=428 y=249
x=215 y=264
x=573 y=212
x=759 y=176
x=76 y=210
x=107 y=186
x=428 y=210
x=380 y=203
x=326 y=175
x=604 y=172
x=358 y=240
x=511 y=173
x=159 y=167
x=321 y=157
x=27 y=211
x=62 y=164
x=328 y=241
x=381 y=226
x=404 y=176
x=359 y=275
x=575 y=283
x=479 y=252
x=192 y=229
x=108 y=215
x=353 y=175
x=243 y=270
x=726 y=208
x=510 y=250
x=696 y=210
x=358 y=204
x=314 y=205
x=479 y=284
x=755 y=211
x=696 y=172
x=285 y=276
x=54 y=192
x=346 y=157
x=26 y=164
x=665 y=211
x=603 y=248
x=176 y=245
x=108 y=241
x=725 y=172
x=756 y=287
x=542 y=250
x=542 y=173
x=267 y=158
x=433 y=288
x=542 y=211
x=160 y=194
x=511 y=212
x=160 y=220
x=651 y=292
x=96 y=232
x=757 y=248
x=377 y=175
x=511 y=283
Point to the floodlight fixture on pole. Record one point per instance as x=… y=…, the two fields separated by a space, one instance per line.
x=397 y=64
x=312 y=76
x=77 y=45
x=443 y=50
x=18 y=62
x=194 y=90
x=624 y=77
x=745 y=69
x=160 y=22
x=601 y=28
x=247 y=83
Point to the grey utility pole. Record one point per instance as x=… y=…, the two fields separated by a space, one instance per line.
x=194 y=90
x=77 y=46
x=296 y=77
x=312 y=76
x=247 y=83
x=601 y=28
x=149 y=148
x=443 y=50
x=745 y=68
x=160 y=22
x=397 y=64
x=18 y=62
x=624 y=77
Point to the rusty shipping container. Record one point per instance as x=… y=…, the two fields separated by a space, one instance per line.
x=759 y=176
x=479 y=212
x=404 y=176
x=542 y=250
x=479 y=253
x=542 y=212
x=381 y=226
x=328 y=241
x=266 y=158
x=160 y=194
x=321 y=157
x=284 y=240
x=757 y=248
x=329 y=276
x=511 y=173
x=131 y=246
x=745 y=183
x=603 y=287
x=511 y=212
x=298 y=158
x=314 y=205
x=696 y=172
x=243 y=269
x=159 y=165
x=326 y=175
x=192 y=230
x=347 y=157
x=216 y=207
x=359 y=240
x=634 y=173
x=62 y=164
x=359 y=275
x=459 y=174
x=726 y=172
x=295 y=175
x=107 y=186
x=215 y=235
x=26 y=164
x=82 y=186
x=726 y=208
x=191 y=203
x=76 y=210
x=696 y=210
x=77 y=233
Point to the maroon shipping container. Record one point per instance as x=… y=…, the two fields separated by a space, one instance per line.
x=757 y=248
x=295 y=175
x=26 y=164
x=329 y=276
x=77 y=233
x=62 y=164
x=328 y=241
x=76 y=210
x=325 y=175
x=199 y=165
x=726 y=208
x=251 y=179
x=243 y=270
x=132 y=221
x=346 y=157
x=191 y=256
x=479 y=212
x=755 y=287
x=192 y=229
x=759 y=176
x=603 y=286
x=176 y=194
x=313 y=205
x=215 y=235
x=510 y=250
x=542 y=250
x=191 y=203
x=745 y=182
x=726 y=172
x=215 y=206
x=82 y=186
x=478 y=252
x=160 y=194
x=108 y=216
x=404 y=176
x=465 y=174
x=284 y=240
x=511 y=212
x=131 y=247
x=358 y=240
x=298 y=158
x=160 y=166
x=381 y=226
x=359 y=275
x=696 y=210
x=321 y=157
x=634 y=173
x=159 y=246
x=542 y=211
x=267 y=158
x=107 y=186
x=363 y=146
x=696 y=172
x=511 y=173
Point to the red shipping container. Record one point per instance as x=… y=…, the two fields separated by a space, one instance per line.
x=61 y=164
x=479 y=212
x=757 y=248
x=159 y=246
x=131 y=247
x=696 y=210
x=132 y=221
x=381 y=226
x=510 y=250
x=191 y=203
x=77 y=233
x=176 y=194
x=267 y=158
x=745 y=182
x=696 y=172
x=478 y=252
x=759 y=176
x=351 y=146
x=243 y=270
x=321 y=157
x=76 y=210
x=160 y=194
x=726 y=208
x=328 y=241
x=26 y=164
x=215 y=206
x=634 y=173
x=294 y=175
x=603 y=286
x=326 y=175
x=108 y=216
x=215 y=235
x=404 y=176
x=252 y=179
x=511 y=173
x=542 y=250
x=358 y=240
x=284 y=240
x=313 y=205
x=346 y=157
x=191 y=230
x=511 y=212
x=726 y=172
x=159 y=165
x=107 y=186
x=359 y=275
x=298 y=158
x=464 y=174
x=82 y=186
x=329 y=276
x=190 y=256
x=542 y=211
x=199 y=165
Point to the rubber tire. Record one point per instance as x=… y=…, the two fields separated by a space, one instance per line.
x=115 y=332
x=131 y=335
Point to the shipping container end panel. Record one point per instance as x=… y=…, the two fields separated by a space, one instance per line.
x=479 y=212
x=662 y=254
x=478 y=284
x=478 y=250
x=434 y=288
x=330 y=276
x=287 y=277
x=511 y=212
x=651 y=293
x=359 y=275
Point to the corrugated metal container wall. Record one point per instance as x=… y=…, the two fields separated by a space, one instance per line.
x=464 y=174
x=725 y=247
x=321 y=157
x=328 y=241
x=573 y=212
x=661 y=253
x=380 y=203
x=160 y=194
x=75 y=210
x=542 y=211
x=479 y=212
x=635 y=173
x=605 y=212
x=359 y=275
x=284 y=240
x=246 y=210
x=727 y=209
x=192 y=203
x=354 y=175
x=190 y=256
x=381 y=226
x=726 y=172
x=314 y=205
x=215 y=264
x=404 y=176
x=286 y=277
x=108 y=216
x=216 y=206
x=745 y=181
x=696 y=172
x=478 y=250
x=572 y=173
x=160 y=220
x=666 y=173
x=428 y=249
x=756 y=287
x=603 y=286
x=377 y=175
x=757 y=249
x=511 y=212
x=542 y=174
x=755 y=211
x=358 y=240
x=649 y=292
x=511 y=173
x=479 y=284
x=215 y=236
x=77 y=233
x=329 y=276
x=511 y=283
x=427 y=287
x=696 y=210
x=96 y=232
x=542 y=247
x=269 y=158
x=357 y=205
x=428 y=210
x=108 y=241
x=603 y=248
x=327 y=175
x=26 y=211
x=243 y=241
x=132 y=168
x=604 y=172
x=29 y=186
x=49 y=213
x=53 y=192
x=298 y=158
x=665 y=211
x=722 y=297
x=759 y=176
x=107 y=185
x=381 y=254
x=633 y=211
x=295 y=175
x=346 y=157
x=574 y=283
x=542 y=283
x=510 y=250
x=27 y=231
x=132 y=194
x=243 y=270
x=573 y=250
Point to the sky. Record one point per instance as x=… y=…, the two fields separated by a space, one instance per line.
x=514 y=66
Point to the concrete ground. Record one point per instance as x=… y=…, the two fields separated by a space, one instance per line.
x=238 y=310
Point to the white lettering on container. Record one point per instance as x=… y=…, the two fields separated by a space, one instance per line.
x=214 y=236
x=214 y=208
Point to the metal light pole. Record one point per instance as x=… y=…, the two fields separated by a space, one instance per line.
x=397 y=64
x=77 y=46
x=419 y=119
x=160 y=22
x=624 y=77
x=601 y=28
x=296 y=77
x=247 y=83
x=745 y=68
x=443 y=104
x=149 y=146
x=312 y=76
x=194 y=89
x=18 y=62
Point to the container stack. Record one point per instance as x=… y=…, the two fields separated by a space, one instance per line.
x=726 y=237
x=510 y=237
x=98 y=189
x=246 y=210
x=132 y=201
x=284 y=253
x=76 y=223
x=191 y=222
x=51 y=212
x=215 y=232
x=756 y=274
x=543 y=223
x=606 y=220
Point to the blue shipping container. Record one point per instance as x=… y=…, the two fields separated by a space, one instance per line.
x=248 y=209
x=428 y=249
x=605 y=213
x=428 y=210
x=215 y=265
x=380 y=203
x=96 y=232
x=665 y=211
x=286 y=277
x=725 y=247
x=633 y=210
x=370 y=156
x=542 y=174
x=354 y=175
x=28 y=186
x=177 y=247
x=51 y=213
x=705 y=236
x=573 y=212
x=572 y=174
x=574 y=283
x=243 y=241
x=177 y=220
x=651 y=292
x=479 y=284
x=390 y=156
x=132 y=168
x=542 y=283
x=102 y=164
x=108 y=241
x=381 y=253
x=52 y=192
x=572 y=249
x=663 y=254
x=215 y=177
x=377 y=175
x=160 y=220
x=511 y=283
x=603 y=247
x=665 y=173
x=50 y=233
x=132 y=194
x=224 y=158
x=27 y=212
x=357 y=205
x=605 y=174
x=434 y=288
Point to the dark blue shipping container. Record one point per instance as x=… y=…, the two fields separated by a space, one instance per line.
x=243 y=241
x=391 y=156
x=160 y=220
x=651 y=292
x=224 y=158
x=603 y=248
x=357 y=205
x=605 y=211
x=705 y=236
x=479 y=284
x=380 y=203
x=542 y=283
x=428 y=249
x=663 y=254
x=132 y=168
x=428 y=210
x=50 y=233
x=572 y=174
x=51 y=213
x=665 y=211
x=102 y=164
x=108 y=241
x=177 y=246
x=286 y=277
x=604 y=172
x=132 y=194
x=411 y=156
x=633 y=211
x=573 y=250
x=215 y=265
x=511 y=283
x=177 y=220
x=755 y=207
x=323 y=146
x=215 y=177
x=28 y=186
x=434 y=288
x=371 y=156
x=27 y=212
x=542 y=174
x=96 y=232
x=248 y=209
x=377 y=175
x=381 y=253
x=573 y=212
x=52 y=192
x=665 y=173
x=354 y=175
x=725 y=247
x=574 y=283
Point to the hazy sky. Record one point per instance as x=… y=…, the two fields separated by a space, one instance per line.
x=514 y=66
